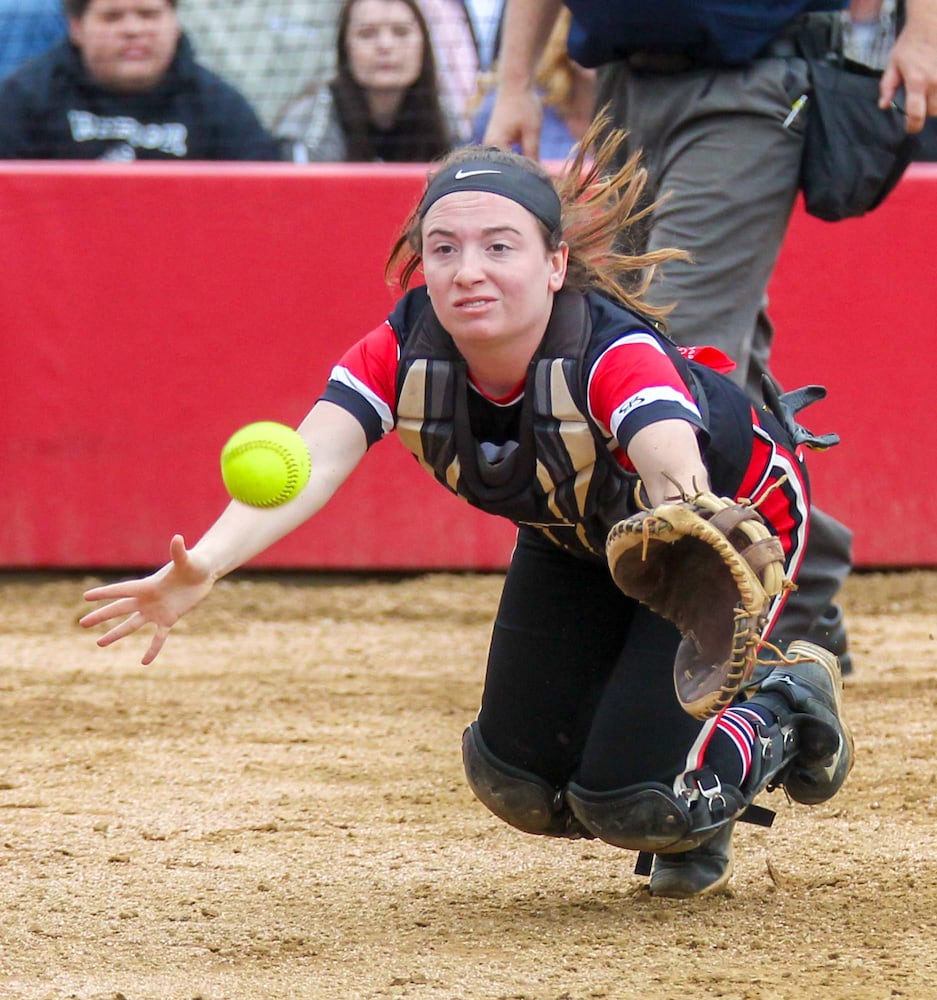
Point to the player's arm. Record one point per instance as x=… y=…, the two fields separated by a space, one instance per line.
x=666 y=456
x=517 y=115
x=336 y=441
x=638 y=396
x=913 y=64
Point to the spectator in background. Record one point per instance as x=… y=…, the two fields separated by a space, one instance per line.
x=269 y=50
x=125 y=86
x=384 y=103
x=27 y=29
x=566 y=89
x=274 y=51
x=457 y=60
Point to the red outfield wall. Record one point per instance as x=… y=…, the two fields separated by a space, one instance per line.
x=147 y=312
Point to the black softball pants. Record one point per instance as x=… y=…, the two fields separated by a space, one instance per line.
x=579 y=681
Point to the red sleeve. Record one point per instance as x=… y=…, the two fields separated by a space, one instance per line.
x=634 y=383
x=373 y=362
x=364 y=379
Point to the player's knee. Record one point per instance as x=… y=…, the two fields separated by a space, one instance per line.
x=521 y=799
x=642 y=817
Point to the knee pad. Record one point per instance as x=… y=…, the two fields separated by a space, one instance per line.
x=650 y=817
x=521 y=799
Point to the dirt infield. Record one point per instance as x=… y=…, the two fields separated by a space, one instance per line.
x=276 y=809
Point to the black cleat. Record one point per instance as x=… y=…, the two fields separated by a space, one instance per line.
x=808 y=694
x=701 y=872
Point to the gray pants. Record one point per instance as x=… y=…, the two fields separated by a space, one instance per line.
x=717 y=152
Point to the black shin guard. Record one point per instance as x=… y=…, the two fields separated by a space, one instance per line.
x=521 y=799
x=657 y=819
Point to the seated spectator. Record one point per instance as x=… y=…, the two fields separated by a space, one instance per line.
x=27 y=29
x=124 y=86
x=567 y=91
x=272 y=52
x=383 y=104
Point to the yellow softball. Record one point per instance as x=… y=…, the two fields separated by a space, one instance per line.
x=265 y=464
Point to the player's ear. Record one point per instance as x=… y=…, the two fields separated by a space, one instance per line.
x=559 y=259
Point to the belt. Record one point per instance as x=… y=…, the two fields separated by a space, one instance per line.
x=660 y=62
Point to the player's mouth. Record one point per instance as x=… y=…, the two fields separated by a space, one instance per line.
x=470 y=305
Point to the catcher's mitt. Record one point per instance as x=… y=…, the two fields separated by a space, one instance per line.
x=711 y=566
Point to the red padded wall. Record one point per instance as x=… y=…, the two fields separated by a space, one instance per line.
x=147 y=312
x=855 y=308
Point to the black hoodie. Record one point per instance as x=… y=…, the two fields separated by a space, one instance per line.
x=51 y=108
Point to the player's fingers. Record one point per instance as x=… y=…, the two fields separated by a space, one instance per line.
x=109 y=591
x=125 y=606
x=127 y=627
x=155 y=646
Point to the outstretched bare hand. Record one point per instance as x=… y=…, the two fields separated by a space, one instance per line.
x=161 y=598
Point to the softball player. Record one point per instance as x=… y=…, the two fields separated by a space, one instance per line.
x=526 y=379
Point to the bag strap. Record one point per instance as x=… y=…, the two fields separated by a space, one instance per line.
x=819 y=38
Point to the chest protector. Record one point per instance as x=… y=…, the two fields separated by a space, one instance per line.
x=562 y=479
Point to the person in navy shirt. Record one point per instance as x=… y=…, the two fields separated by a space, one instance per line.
x=125 y=85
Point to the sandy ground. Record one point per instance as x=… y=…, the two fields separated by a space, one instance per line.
x=276 y=809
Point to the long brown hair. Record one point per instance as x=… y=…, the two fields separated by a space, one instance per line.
x=602 y=204
x=421 y=132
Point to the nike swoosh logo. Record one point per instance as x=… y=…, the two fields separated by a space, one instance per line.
x=460 y=175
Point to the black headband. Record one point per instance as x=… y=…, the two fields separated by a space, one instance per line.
x=528 y=189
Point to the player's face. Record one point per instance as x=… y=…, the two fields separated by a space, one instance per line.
x=127 y=45
x=488 y=271
x=384 y=45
